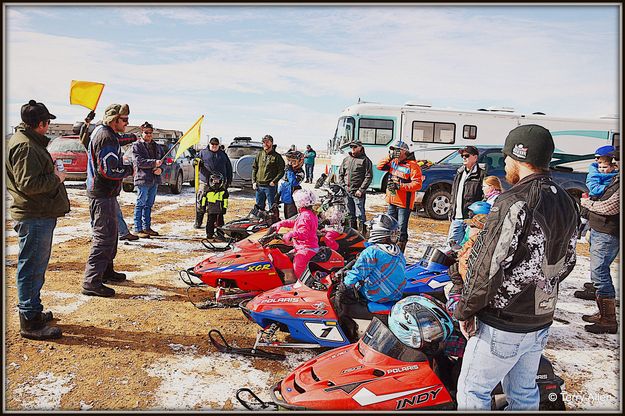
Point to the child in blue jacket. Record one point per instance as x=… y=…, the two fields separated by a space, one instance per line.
x=379 y=275
x=293 y=176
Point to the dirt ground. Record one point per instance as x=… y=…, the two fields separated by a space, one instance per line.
x=109 y=344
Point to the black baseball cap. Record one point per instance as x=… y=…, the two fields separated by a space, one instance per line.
x=530 y=143
x=34 y=112
x=214 y=140
x=472 y=150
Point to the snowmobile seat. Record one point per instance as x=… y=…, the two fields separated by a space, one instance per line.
x=322 y=256
x=380 y=308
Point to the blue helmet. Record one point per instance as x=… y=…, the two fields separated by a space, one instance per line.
x=479 y=207
x=605 y=151
x=420 y=322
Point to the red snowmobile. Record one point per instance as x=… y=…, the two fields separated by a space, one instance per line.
x=379 y=372
x=253 y=265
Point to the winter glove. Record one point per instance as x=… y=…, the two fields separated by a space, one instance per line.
x=392 y=186
x=287 y=238
x=254 y=186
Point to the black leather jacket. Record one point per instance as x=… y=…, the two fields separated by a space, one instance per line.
x=472 y=190
x=526 y=249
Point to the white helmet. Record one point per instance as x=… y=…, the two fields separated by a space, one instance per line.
x=304 y=198
x=334 y=215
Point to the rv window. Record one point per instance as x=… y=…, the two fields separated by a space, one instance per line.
x=375 y=131
x=430 y=132
x=469 y=132
x=344 y=131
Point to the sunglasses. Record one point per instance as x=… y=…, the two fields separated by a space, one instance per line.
x=466 y=155
x=124 y=119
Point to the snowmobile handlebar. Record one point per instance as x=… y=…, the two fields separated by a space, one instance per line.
x=338 y=275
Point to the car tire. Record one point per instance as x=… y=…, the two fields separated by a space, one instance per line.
x=176 y=186
x=438 y=204
x=128 y=187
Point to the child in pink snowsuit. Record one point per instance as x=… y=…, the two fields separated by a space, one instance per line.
x=303 y=234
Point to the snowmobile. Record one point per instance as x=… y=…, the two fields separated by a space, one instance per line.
x=379 y=372
x=256 y=220
x=305 y=311
x=253 y=265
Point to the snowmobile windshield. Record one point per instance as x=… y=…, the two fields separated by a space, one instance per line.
x=312 y=276
x=381 y=339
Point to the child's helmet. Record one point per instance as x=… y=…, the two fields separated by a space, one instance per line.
x=296 y=156
x=215 y=180
x=383 y=229
x=334 y=215
x=420 y=322
x=479 y=207
x=304 y=198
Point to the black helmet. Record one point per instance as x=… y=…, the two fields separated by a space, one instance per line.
x=383 y=229
x=216 y=180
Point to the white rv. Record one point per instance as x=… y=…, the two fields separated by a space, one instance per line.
x=428 y=130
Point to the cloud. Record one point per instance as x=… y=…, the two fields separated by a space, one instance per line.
x=135 y=15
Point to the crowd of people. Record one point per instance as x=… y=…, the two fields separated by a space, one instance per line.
x=513 y=247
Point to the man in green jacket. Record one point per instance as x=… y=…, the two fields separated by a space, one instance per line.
x=267 y=169
x=39 y=198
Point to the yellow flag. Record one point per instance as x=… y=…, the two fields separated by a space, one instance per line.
x=191 y=137
x=85 y=93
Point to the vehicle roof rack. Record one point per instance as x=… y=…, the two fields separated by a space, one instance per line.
x=243 y=138
x=538 y=113
x=501 y=109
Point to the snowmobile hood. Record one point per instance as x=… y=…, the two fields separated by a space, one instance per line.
x=243 y=254
x=376 y=373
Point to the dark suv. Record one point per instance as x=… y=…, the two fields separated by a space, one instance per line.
x=435 y=194
x=242 y=152
x=175 y=172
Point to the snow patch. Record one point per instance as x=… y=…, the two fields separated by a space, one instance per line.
x=44 y=392
x=70 y=302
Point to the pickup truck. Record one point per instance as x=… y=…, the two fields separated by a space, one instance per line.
x=435 y=194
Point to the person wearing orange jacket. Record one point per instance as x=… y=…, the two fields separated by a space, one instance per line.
x=404 y=180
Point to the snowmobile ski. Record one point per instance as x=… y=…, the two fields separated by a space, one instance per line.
x=255 y=403
x=224 y=347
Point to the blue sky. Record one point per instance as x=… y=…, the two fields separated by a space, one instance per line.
x=290 y=70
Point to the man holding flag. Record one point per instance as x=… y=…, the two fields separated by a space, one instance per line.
x=105 y=171
x=404 y=179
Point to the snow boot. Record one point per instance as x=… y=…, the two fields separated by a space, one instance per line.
x=586 y=294
x=589 y=286
x=37 y=329
x=607 y=323
x=199 y=217
x=102 y=291
x=596 y=317
x=47 y=316
x=112 y=276
x=402 y=245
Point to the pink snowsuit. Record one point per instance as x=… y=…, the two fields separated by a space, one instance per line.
x=304 y=236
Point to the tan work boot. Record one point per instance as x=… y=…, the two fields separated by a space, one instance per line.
x=596 y=317
x=607 y=323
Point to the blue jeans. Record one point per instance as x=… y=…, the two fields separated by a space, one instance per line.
x=457 y=229
x=492 y=356
x=603 y=250
x=35 y=245
x=265 y=193
x=143 y=209
x=402 y=215
x=356 y=207
x=309 y=171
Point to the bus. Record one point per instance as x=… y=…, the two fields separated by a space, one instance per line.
x=429 y=130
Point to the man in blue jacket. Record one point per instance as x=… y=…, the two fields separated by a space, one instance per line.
x=212 y=159
x=146 y=158
x=105 y=172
